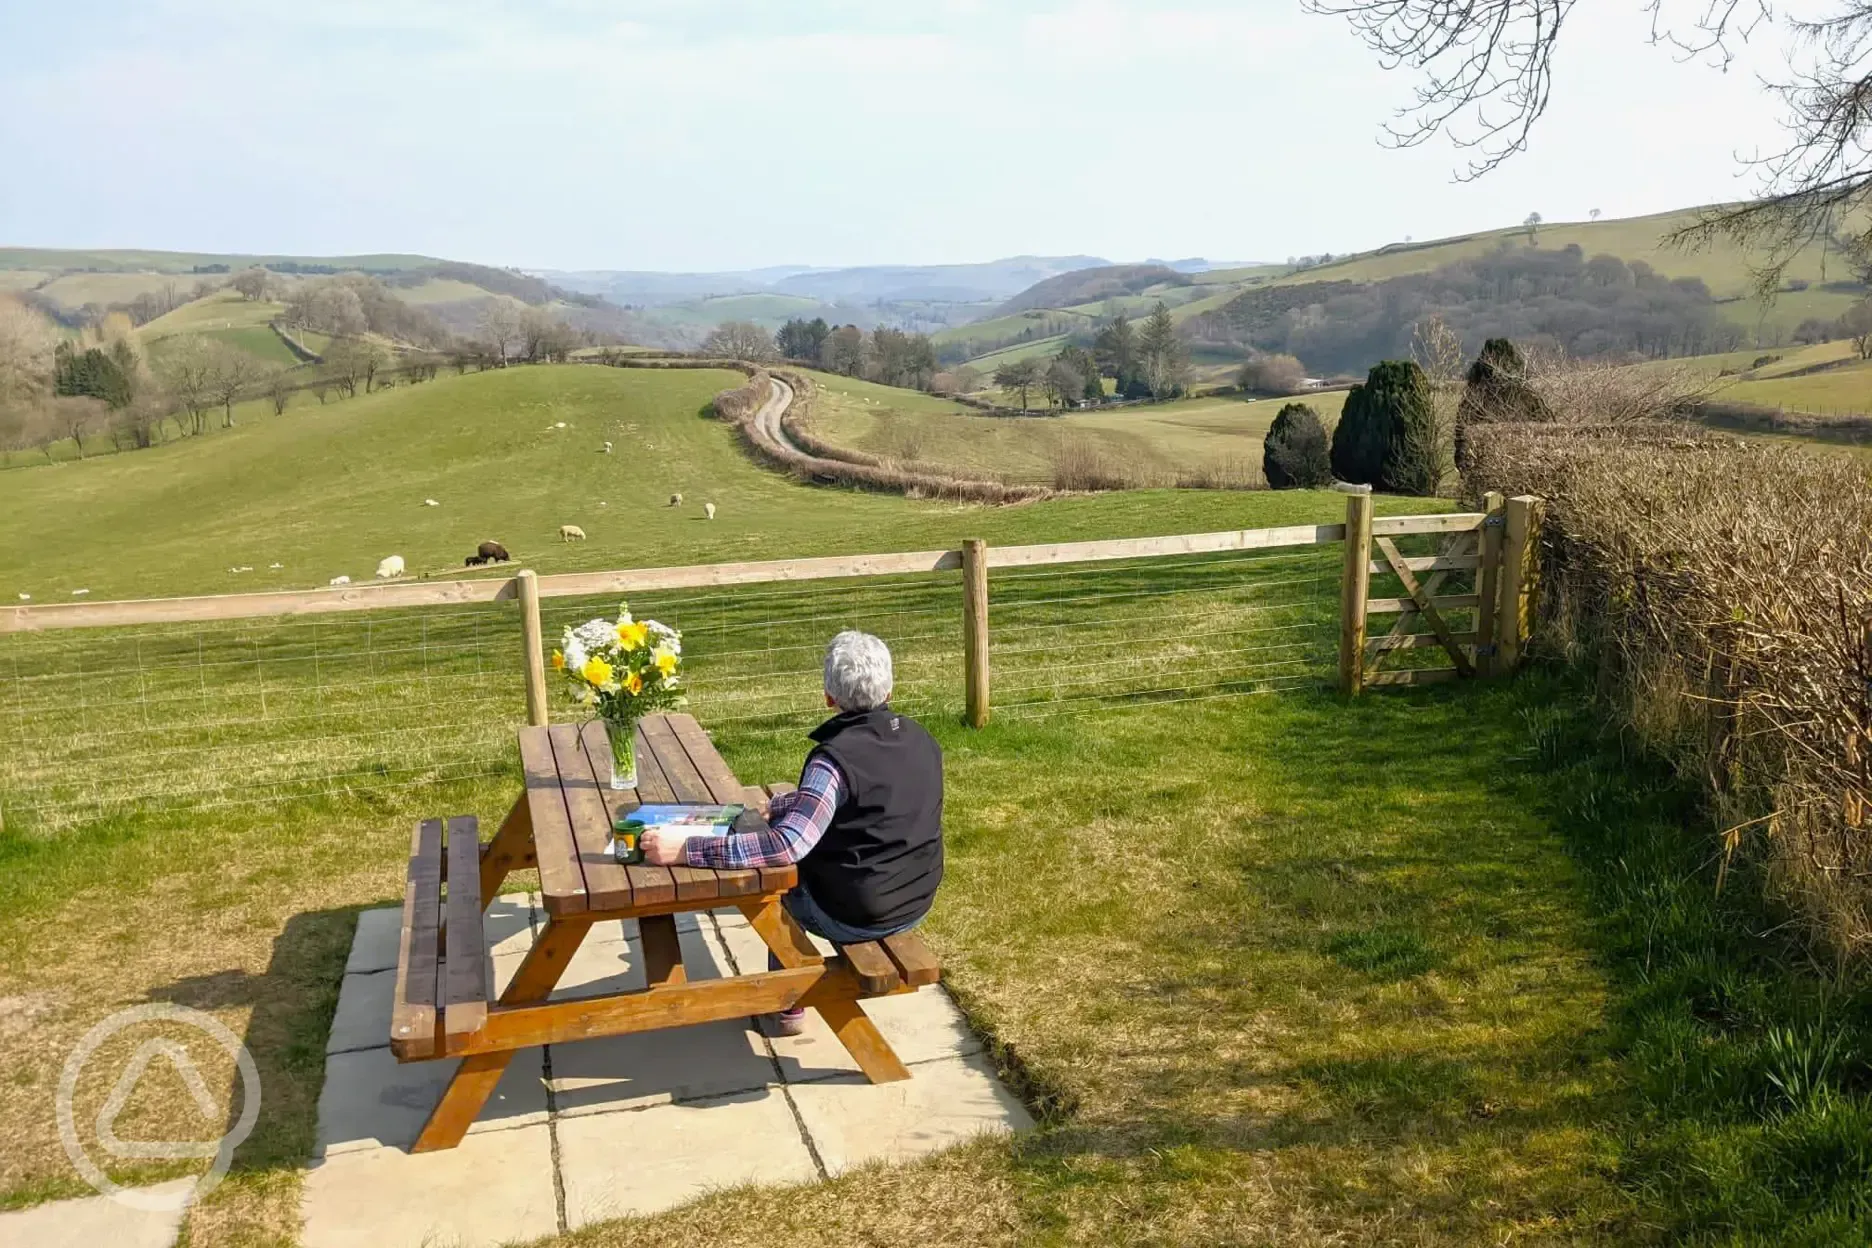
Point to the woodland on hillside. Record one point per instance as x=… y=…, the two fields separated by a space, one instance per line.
x=1559 y=299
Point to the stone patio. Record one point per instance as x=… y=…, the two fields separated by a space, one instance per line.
x=577 y=1133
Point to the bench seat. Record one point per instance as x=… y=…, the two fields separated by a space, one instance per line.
x=893 y=964
x=443 y=975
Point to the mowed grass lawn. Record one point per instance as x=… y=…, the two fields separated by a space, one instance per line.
x=1157 y=443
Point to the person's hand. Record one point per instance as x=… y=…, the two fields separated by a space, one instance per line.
x=661 y=849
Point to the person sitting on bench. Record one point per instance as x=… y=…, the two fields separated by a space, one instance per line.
x=865 y=824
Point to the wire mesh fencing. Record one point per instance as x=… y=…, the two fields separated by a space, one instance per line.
x=251 y=714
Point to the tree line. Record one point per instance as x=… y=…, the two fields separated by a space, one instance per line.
x=1147 y=361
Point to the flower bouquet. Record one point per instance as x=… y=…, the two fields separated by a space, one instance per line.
x=622 y=669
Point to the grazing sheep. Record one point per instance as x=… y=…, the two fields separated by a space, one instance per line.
x=571 y=533
x=560 y=425
x=607 y=448
x=25 y=597
x=675 y=500
x=274 y=567
x=244 y=568
x=340 y=580
x=473 y=561
x=708 y=509
x=79 y=593
x=390 y=567
x=493 y=552
x=430 y=502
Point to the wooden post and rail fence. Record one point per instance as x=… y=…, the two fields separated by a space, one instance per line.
x=1497 y=548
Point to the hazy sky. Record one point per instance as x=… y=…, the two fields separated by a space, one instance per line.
x=713 y=134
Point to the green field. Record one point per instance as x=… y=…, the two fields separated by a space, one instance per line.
x=1156 y=443
x=74 y=290
x=440 y=290
x=1439 y=968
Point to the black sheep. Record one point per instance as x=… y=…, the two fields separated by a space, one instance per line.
x=493 y=552
x=473 y=561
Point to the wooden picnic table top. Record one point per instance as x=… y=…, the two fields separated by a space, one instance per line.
x=572 y=807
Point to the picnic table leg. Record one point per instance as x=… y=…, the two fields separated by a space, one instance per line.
x=663 y=964
x=510 y=850
x=475 y=1078
x=843 y=1014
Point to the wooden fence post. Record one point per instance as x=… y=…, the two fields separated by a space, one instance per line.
x=975 y=628
x=1520 y=580
x=1488 y=582
x=1354 y=588
x=530 y=635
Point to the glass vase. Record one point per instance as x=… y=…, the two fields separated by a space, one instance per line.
x=622 y=733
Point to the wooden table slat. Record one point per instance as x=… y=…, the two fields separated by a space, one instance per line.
x=606 y=885
x=462 y=994
x=650 y=885
x=653 y=786
x=698 y=772
x=562 y=884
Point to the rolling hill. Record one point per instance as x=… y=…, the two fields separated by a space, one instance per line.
x=1818 y=285
x=330 y=490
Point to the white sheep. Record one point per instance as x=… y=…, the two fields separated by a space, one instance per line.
x=340 y=580
x=274 y=567
x=390 y=567
x=675 y=500
x=708 y=509
x=607 y=448
x=244 y=568
x=79 y=593
x=571 y=533
x=430 y=502
x=560 y=425
x=25 y=597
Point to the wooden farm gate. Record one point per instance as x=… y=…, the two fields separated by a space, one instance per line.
x=1460 y=608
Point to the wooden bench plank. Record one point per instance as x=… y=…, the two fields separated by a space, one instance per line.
x=606 y=885
x=562 y=884
x=462 y=996
x=913 y=959
x=412 y=1015
x=650 y=885
x=653 y=787
x=876 y=975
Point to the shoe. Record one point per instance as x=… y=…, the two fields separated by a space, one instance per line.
x=789 y=1022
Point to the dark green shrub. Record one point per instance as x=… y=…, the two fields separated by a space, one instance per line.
x=1387 y=432
x=1294 y=454
x=1497 y=390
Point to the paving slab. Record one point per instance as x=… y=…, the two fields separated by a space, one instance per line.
x=493 y=1188
x=508 y=924
x=943 y=1104
x=370 y=1100
x=362 y=1020
x=96 y=1220
x=682 y=1063
x=643 y=1161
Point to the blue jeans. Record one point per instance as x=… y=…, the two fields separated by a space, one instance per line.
x=801 y=906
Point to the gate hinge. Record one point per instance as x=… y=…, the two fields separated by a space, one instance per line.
x=1496 y=521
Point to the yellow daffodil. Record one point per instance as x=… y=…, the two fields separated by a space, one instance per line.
x=633 y=684
x=632 y=635
x=558 y=660
x=665 y=661
x=596 y=671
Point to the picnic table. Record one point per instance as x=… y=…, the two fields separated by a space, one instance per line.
x=444 y=1005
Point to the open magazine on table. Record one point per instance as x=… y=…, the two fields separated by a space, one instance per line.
x=681 y=820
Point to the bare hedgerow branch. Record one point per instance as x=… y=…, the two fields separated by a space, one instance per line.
x=1486 y=78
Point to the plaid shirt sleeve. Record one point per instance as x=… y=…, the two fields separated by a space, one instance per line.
x=796 y=822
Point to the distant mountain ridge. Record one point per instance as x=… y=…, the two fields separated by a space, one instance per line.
x=986 y=282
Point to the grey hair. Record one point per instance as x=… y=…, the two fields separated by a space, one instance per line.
x=857 y=671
